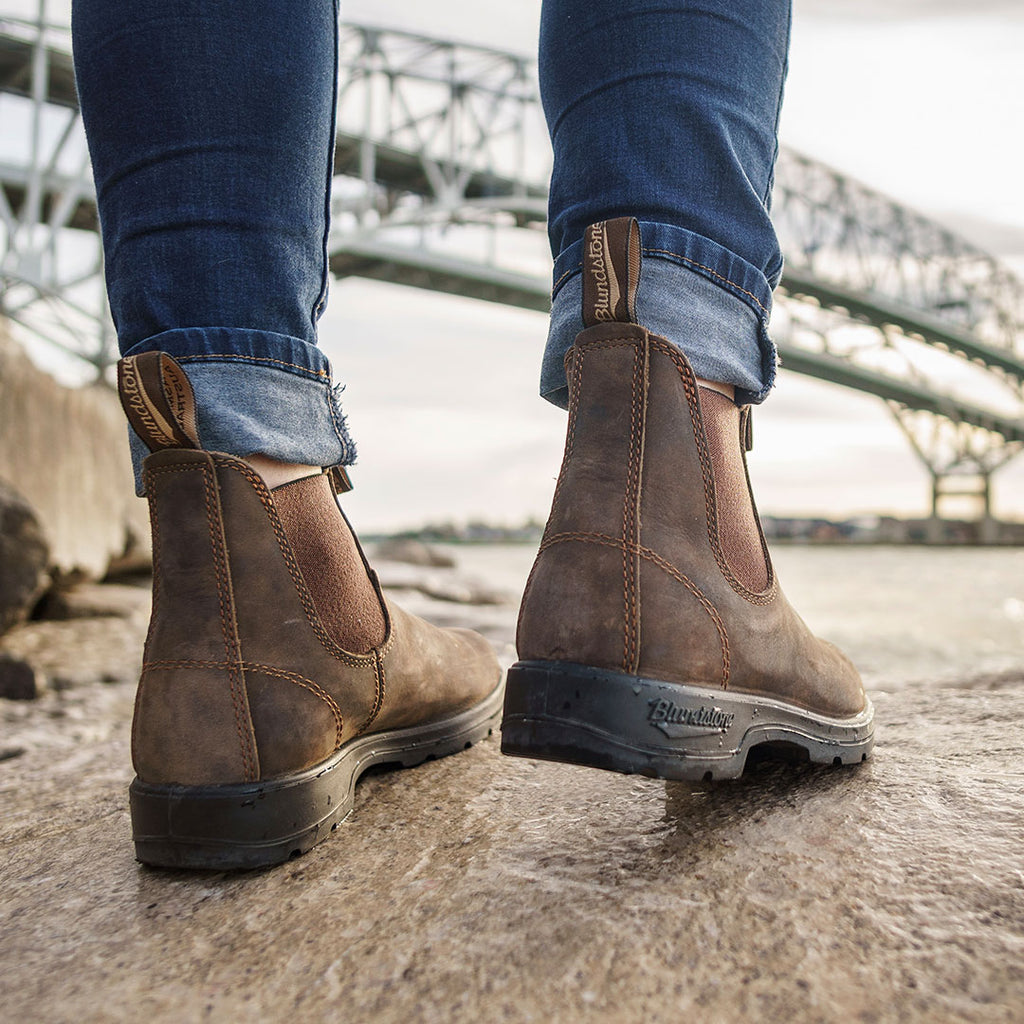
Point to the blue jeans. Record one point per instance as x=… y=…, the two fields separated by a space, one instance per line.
x=210 y=127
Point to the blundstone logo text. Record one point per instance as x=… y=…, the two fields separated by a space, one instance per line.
x=606 y=284
x=179 y=396
x=132 y=390
x=677 y=722
x=179 y=405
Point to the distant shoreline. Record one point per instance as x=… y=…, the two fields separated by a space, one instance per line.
x=778 y=530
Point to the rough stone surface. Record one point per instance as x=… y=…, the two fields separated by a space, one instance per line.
x=65 y=450
x=440 y=584
x=96 y=601
x=487 y=888
x=483 y=888
x=81 y=651
x=19 y=680
x=24 y=557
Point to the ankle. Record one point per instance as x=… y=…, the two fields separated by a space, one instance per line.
x=275 y=473
x=728 y=390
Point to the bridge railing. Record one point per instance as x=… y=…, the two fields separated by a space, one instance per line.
x=460 y=124
x=840 y=231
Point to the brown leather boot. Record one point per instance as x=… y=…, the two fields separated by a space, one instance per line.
x=653 y=636
x=275 y=671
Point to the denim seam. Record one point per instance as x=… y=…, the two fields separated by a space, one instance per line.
x=332 y=142
x=685 y=259
x=250 y=359
x=572 y=270
x=766 y=198
x=714 y=273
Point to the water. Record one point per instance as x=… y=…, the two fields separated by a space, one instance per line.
x=909 y=617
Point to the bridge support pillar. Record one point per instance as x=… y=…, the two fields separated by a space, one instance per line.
x=960 y=459
x=974 y=492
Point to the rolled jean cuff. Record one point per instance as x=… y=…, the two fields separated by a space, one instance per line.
x=704 y=299
x=256 y=392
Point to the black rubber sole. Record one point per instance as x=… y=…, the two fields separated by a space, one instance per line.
x=560 y=711
x=254 y=825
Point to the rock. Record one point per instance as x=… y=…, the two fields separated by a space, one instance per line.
x=464 y=591
x=19 y=680
x=65 y=451
x=137 y=557
x=94 y=601
x=412 y=552
x=77 y=652
x=24 y=556
x=441 y=585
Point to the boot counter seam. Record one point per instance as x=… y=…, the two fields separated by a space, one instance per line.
x=570 y=437
x=148 y=485
x=239 y=698
x=378 y=694
x=631 y=519
x=264 y=670
x=649 y=555
x=244 y=739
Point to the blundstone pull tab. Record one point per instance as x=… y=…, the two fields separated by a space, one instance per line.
x=747 y=428
x=340 y=480
x=611 y=271
x=157 y=399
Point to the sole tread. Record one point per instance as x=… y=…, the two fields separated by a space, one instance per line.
x=575 y=714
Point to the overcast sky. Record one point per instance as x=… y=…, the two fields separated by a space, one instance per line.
x=923 y=99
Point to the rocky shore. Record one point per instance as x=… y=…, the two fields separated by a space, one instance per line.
x=489 y=888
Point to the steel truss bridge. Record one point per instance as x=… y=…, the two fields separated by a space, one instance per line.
x=441 y=166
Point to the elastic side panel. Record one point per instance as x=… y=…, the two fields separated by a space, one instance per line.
x=331 y=566
x=674 y=518
x=738 y=534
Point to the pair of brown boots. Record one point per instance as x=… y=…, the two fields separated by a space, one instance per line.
x=653 y=637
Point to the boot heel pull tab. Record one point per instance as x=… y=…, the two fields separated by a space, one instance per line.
x=747 y=428
x=611 y=271
x=340 y=480
x=157 y=398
